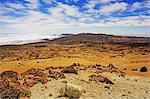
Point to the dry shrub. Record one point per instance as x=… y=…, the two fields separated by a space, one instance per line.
x=71 y=91
x=24 y=93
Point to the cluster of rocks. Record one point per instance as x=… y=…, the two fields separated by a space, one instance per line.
x=53 y=68
x=9 y=90
x=33 y=76
x=11 y=83
x=10 y=87
x=100 y=78
x=97 y=68
x=53 y=71
x=56 y=75
x=110 y=68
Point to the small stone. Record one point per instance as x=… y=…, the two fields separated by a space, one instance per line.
x=50 y=95
x=107 y=87
x=69 y=69
x=123 y=95
x=143 y=69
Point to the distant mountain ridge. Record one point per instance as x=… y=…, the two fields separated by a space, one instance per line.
x=101 y=38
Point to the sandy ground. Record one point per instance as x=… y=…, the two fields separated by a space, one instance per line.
x=130 y=87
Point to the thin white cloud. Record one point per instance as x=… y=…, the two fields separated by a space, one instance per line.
x=48 y=2
x=136 y=6
x=4 y=9
x=141 y=20
x=15 y=5
x=114 y=7
x=33 y=4
x=107 y=1
x=72 y=0
x=70 y=10
x=147 y=4
x=139 y=5
x=92 y=3
x=63 y=9
x=38 y=22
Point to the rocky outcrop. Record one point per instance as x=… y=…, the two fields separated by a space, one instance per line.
x=10 y=87
x=110 y=68
x=56 y=75
x=33 y=73
x=10 y=75
x=33 y=76
x=100 y=78
x=69 y=69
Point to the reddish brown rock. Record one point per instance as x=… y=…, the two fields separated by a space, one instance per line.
x=29 y=82
x=110 y=68
x=69 y=69
x=8 y=89
x=100 y=78
x=56 y=75
x=33 y=76
x=33 y=72
x=11 y=75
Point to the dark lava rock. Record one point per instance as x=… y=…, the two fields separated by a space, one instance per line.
x=107 y=87
x=100 y=78
x=9 y=85
x=56 y=75
x=9 y=90
x=112 y=68
x=69 y=69
x=33 y=76
x=143 y=69
x=10 y=75
x=34 y=72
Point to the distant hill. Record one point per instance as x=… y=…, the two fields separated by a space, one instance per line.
x=101 y=38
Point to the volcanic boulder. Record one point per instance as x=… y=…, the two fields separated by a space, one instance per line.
x=69 y=69
x=143 y=69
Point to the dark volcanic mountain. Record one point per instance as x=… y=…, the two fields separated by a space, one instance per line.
x=101 y=38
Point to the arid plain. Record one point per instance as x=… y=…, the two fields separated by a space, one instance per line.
x=104 y=66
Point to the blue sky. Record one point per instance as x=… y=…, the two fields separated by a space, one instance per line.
x=122 y=17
